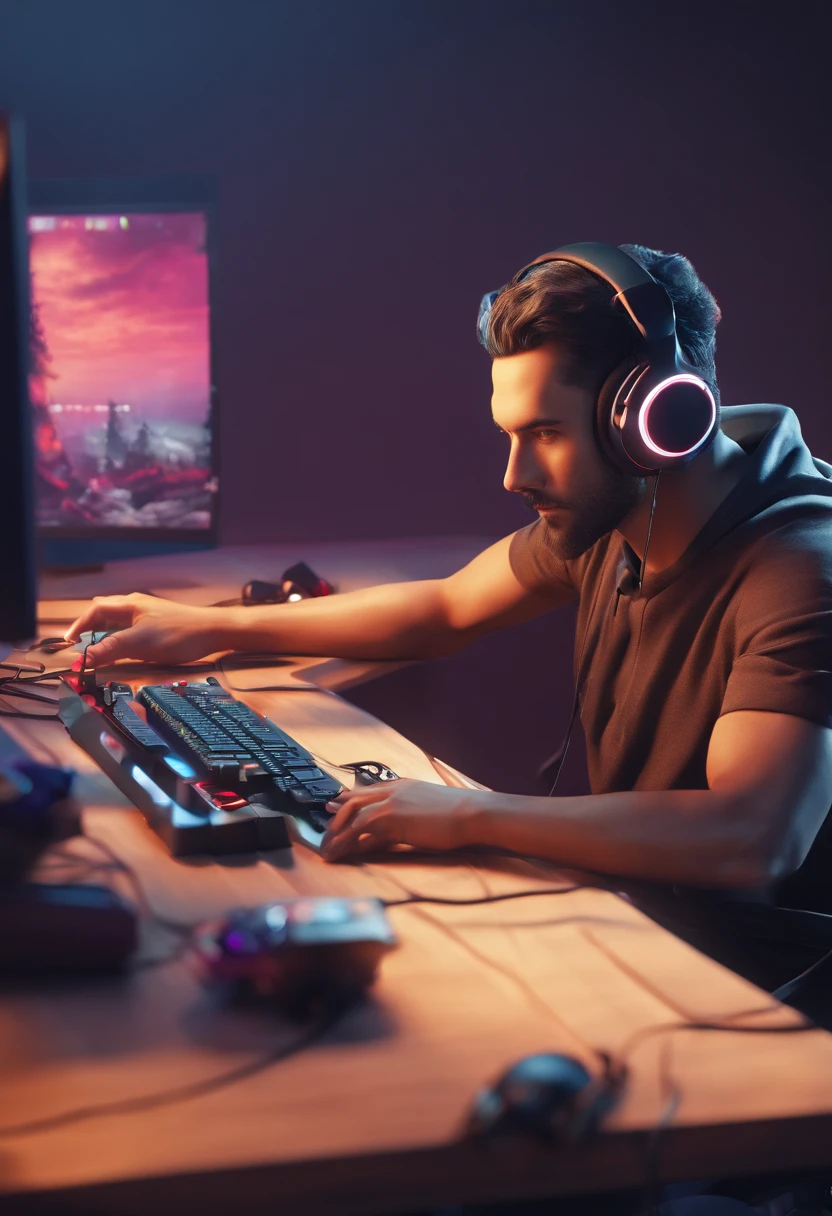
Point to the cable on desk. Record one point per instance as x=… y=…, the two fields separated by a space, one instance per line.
x=38 y=667
x=73 y=867
x=415 y=898
x=90 y=868
x=665 y=1120
x=532 y=996
x=652 y=1189
x=15 y=687
x=618 y=1064
x=688 y=1021
x=658 y=993
x=175 y=926
x=613 y=1066
x=178 y=1093
x=790 y=987
x=187 y=929
x=17 y=711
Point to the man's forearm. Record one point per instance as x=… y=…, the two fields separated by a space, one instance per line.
x=395 y=621
x=698 y=837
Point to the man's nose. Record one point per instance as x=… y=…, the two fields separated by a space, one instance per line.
x=522 y=472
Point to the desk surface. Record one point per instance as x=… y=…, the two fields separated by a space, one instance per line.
x=211 y=574
x=369 y=1119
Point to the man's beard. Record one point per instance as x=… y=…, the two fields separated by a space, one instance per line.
x=593 y=513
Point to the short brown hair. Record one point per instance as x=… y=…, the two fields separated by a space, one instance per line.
x=563 y=304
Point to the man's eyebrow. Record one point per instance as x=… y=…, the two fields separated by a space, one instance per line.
x=534 y=425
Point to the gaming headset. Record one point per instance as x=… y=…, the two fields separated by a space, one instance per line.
x=654 y=410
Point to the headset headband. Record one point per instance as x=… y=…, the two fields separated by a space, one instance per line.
x=645 y=301
x=654 y=410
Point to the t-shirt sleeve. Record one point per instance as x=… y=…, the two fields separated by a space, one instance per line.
x=537 y=567
x=783 y=660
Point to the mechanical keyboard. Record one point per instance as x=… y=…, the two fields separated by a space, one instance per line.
x=209 y=774
x=229 y=744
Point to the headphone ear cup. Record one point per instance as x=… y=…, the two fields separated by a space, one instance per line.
x=617 y=383
x=669 y=416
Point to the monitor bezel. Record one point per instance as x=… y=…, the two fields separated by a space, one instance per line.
x=18 y=589
x=80 y=196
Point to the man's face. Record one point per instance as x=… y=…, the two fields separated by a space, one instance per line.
x=555 y=462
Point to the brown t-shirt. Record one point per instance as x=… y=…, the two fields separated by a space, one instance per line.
x=743 y=620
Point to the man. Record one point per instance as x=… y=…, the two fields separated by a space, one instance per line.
x=703 y=661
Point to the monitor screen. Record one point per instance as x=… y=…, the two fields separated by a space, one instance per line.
x=120 y=372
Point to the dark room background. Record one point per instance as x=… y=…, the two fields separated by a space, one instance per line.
x=380 y=165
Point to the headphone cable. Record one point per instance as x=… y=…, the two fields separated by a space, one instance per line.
x=649 y=531
x=576 y=698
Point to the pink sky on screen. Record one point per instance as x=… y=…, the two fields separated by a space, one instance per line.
x=125 y=313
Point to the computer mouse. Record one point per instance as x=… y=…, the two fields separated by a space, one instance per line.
x=540 y=1094
x=93 y=637
x=299 y=954
x=370 y=772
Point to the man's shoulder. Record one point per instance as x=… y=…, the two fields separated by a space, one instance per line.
x=538 y=566
x=789 y=558
x=800 y=526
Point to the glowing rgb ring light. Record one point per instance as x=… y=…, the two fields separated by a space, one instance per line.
x=681 y=378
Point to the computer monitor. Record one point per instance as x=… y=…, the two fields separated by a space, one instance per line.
x=17 y=555
x=124 y=408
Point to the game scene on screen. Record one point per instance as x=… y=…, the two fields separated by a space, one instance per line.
x=120 y=371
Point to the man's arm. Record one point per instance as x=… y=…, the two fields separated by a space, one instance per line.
x=417 y=620
x=770 y=787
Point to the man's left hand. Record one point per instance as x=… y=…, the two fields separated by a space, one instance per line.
x=417 y=813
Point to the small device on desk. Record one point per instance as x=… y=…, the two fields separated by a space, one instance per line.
x=36 y=809
x=370 y=772
x=550 y=1096
x=50 y=928
x=300 y=953
x=299 y=582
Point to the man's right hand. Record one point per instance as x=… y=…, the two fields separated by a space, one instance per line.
x=153 y=629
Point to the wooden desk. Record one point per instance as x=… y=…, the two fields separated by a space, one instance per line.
x=369 y=1119
x=207 y=575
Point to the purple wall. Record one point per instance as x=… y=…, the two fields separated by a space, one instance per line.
x=381 y=164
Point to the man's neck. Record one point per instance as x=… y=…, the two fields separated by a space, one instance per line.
x=686 y=500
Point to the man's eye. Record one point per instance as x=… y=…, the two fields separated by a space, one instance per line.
x=545 y=432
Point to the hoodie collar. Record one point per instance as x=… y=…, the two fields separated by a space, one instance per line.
x=780 y=467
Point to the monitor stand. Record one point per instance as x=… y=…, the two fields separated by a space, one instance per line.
x=65 y=557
